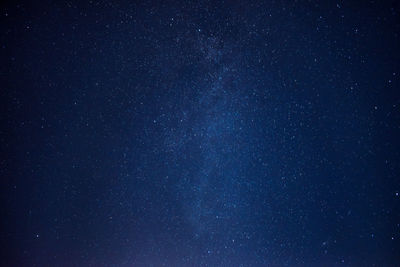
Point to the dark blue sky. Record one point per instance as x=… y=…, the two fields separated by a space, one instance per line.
x=200 y=133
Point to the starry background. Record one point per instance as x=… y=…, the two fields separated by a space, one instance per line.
x=200 y=133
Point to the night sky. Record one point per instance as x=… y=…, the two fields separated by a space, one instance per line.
x=200 y=133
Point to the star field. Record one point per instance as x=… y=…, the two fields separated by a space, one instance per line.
x=200 y=133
